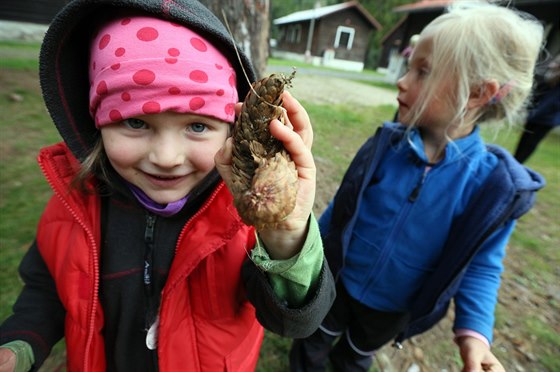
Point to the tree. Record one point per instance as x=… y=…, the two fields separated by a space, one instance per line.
x=249 y=21
x=382 y=10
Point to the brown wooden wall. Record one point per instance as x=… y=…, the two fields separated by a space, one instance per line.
x=324 y=35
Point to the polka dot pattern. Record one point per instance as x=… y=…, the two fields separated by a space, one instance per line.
x=143 y=65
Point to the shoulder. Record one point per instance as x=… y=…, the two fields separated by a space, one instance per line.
x=68 y=203
x=522 y=177
x=512 y=178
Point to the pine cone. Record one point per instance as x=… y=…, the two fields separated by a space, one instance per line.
x=264 y=177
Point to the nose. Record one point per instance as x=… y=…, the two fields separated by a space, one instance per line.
x=401 y=83
x=168 y=151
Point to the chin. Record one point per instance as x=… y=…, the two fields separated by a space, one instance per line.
x=166 y=200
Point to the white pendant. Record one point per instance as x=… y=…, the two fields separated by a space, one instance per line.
x=152 y=336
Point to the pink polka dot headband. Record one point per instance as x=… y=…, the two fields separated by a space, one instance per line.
x=144 y=65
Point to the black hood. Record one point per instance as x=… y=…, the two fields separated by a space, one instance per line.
x=63 y=62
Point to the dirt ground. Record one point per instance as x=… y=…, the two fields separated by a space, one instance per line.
x=434 y=350
x=340 y=91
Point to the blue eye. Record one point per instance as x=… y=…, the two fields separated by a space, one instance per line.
x=134 y=123
x=198 y=127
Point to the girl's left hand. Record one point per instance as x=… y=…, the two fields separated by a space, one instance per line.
x=477 y=357
x=296 y=134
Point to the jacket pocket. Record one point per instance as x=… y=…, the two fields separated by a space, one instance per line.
x=244 y=357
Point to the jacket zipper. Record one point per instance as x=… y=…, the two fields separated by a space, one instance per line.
x=149 y=254
x=414 y=194
x=397 y=344
x=91 y=238
x=151 y=310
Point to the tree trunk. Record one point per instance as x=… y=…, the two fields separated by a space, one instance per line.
x=249 y=23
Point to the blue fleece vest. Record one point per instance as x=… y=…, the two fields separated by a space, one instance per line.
x=508 y=193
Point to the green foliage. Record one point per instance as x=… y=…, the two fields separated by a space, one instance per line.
x=383 y=11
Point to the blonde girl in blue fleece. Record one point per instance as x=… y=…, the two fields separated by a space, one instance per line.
x=425 y=210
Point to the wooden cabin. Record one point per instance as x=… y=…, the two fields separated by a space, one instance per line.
x=335 y=36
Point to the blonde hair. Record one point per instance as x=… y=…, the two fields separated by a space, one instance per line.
x=475 y=43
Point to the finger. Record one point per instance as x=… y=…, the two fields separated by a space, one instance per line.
x=298 y=118
x=223 y=156
x=294 y=144
x=237 y=108
x=286 y=119
x=223 y=159
x=491 y=363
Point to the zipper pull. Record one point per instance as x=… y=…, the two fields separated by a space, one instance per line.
x=414 y=194
x=148 y=252
x=397 y=346
x=149 y=233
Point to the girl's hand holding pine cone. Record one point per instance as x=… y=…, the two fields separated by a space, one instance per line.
x=282 y=236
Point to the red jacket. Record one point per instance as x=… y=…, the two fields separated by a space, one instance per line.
x=206 y=322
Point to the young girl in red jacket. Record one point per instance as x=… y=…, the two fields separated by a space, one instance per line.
x=141 y=261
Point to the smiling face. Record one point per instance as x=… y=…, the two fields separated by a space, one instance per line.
x=166 y=155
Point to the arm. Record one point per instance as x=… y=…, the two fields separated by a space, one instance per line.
x=16 y=356
x=292 y=280
x=291 y=285
x=38 y=317
x=476 y=356
x=287 y=239
x=476 y=300
x=291 y=296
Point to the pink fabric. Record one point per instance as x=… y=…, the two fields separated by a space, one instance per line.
x=468 y=332
x=144 y=65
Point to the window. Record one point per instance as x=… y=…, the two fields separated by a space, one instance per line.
x=293 y=34
x=344 y=37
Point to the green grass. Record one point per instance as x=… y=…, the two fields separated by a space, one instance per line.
x=548 y=337
x=339 y=131
x=19 y=55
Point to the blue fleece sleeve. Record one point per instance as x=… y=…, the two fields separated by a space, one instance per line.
x=476 y=299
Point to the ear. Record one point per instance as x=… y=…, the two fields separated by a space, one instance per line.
x=483 y=93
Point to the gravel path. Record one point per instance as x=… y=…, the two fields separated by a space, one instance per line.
x=322 y=86
x=333 y=90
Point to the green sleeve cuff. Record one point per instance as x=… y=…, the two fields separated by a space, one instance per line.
x=24 y=355
x=294 y=278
